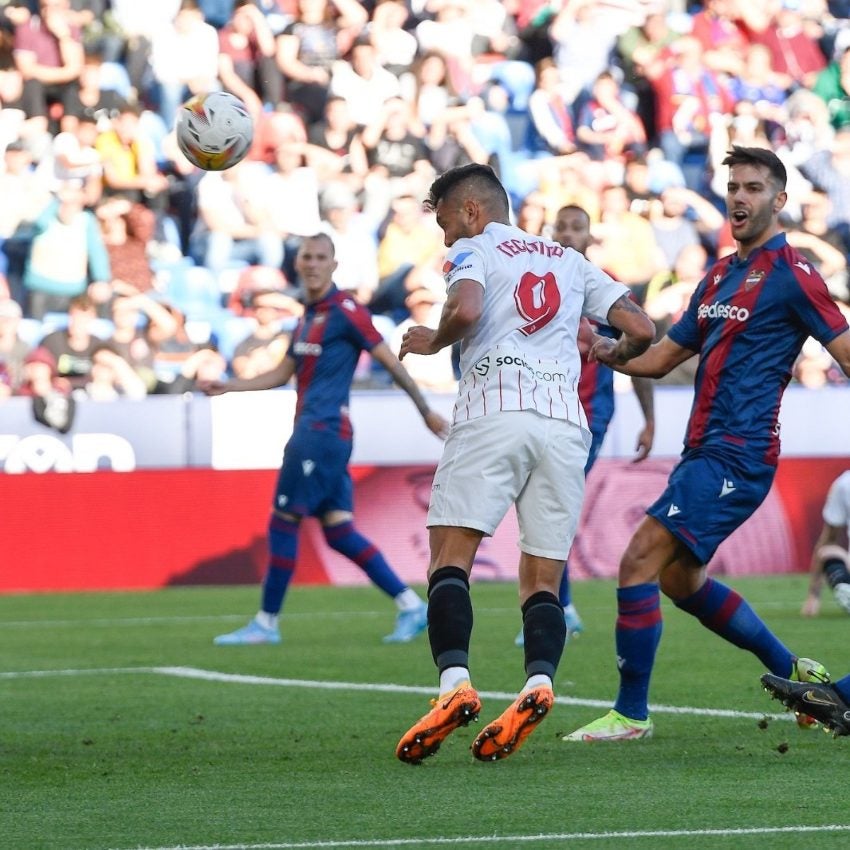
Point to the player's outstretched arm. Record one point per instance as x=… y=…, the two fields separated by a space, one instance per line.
x=276 y=377
x=384 y=355
x=461 y=311
x=830 y=535
x=637 y=329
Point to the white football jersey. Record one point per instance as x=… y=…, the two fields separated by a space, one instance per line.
x=522 y=354
x=836 y=508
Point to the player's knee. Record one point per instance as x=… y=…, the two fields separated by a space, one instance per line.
x=832 y=552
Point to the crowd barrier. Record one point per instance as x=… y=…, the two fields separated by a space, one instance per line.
x=177 y=490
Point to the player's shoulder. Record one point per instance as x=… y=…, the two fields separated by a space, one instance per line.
x=842 y=484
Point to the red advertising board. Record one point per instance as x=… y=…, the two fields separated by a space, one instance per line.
x=154 y=528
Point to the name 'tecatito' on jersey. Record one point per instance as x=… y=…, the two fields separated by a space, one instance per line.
x=748 y=320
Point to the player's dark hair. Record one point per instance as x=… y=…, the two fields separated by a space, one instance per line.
x=476 y=179
x=574 y=208
x=758 y=156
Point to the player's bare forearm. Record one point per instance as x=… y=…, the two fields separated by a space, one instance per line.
x=646 y=398
x=460 y=313
x=637 y=328
x=839 y=348
x=659 y=359
x=401 y=377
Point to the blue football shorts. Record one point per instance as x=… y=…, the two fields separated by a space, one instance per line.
x=314 y=476
x=709 y=494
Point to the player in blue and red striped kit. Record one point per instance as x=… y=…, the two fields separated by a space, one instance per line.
x=596 y=393
x=314 y=479
x=748 y=320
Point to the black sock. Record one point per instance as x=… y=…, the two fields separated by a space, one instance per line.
x=545 y=632
x=449 y=617
x=836 y=572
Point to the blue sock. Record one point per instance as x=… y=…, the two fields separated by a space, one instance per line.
x=843 y=688
x=348 y=541
x=565 y=595
x=728 y=614
x=283 y=547
x=637 y=634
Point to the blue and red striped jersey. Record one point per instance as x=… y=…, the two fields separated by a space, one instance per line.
x=748 y=320
x=326 y=346
x=596 y=387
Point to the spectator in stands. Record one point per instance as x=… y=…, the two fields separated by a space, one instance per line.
x=550 y=110
x=832 y=85
x=130 y=168
x=67 y=255
x=626 y=246
x=794 y=47
x=92 y=98
x=829 y=170
x=397 y=46
x=233 y=222
x=184 y=60
x=53 y=404
x=72 y=347
x=452 y=141
x=203 y=365
x=682 y=217
x=718 y=27
x=434 y=373
x=363 y=81
x=112 y=377
x=449 y=29
x=72 y=156
x=411 y=239
x=13 y=350
x=667 y=298
x=584 y=33
x=256 y=279
x=25 y=196
x=759 y=84
x=308 y=47
x=355 y=246
x=48 y=52
x=140 y=324
x=642 y=51
x=264 y=349
x=335 y=150
x=428 y=87
x=571 y=179
x=689 y=97
x=247 y=66
x=825 y=246
x=127 y=231
x=292 y=200
x=397 y=157
x=608 y=129
x=807 y=128
x=532 y=214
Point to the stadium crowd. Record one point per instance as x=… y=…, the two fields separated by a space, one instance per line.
x=125 y=270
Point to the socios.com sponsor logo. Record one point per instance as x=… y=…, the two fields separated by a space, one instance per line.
x=718 y=310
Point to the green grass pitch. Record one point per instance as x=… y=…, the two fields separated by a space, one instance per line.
x=123 y=727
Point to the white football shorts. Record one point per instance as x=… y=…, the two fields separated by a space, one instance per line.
x=514 y=457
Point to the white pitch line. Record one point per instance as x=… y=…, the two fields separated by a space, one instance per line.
x=515 y=839
x=374 y=687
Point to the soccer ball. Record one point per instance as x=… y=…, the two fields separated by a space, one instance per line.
x=214 y=130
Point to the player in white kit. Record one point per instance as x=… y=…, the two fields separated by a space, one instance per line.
x=830 y=558
x=519 y=436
